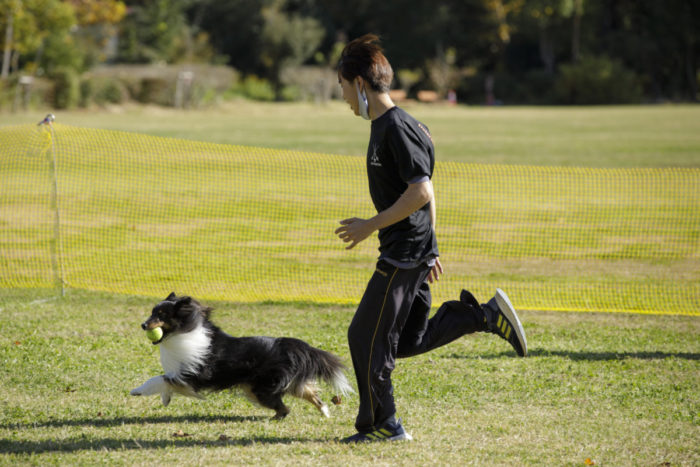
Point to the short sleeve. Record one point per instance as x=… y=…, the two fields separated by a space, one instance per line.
x=411 y=153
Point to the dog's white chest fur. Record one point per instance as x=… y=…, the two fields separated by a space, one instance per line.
x=184 y=353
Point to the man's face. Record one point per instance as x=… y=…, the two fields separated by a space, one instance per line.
x=349 y=93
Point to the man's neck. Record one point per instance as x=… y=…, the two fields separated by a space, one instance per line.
x=379 y=103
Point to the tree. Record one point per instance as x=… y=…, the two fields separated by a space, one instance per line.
x=10 y=8
x=27 y=25
x=90 y=12
x=287 y=40
x=220 y=19
x=574 y=9
x=97 y=27
x=153 y=31
x=659 y=40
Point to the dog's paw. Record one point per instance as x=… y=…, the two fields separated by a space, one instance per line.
x=165 y=397
x=136 y=392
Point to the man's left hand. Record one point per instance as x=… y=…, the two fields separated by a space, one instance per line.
x=434 y=274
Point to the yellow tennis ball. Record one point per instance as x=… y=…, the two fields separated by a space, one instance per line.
x=155 y=334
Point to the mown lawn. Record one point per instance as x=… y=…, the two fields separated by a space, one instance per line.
x=627 y=136
x=618 y=389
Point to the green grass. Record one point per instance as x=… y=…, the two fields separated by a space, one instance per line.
x=616 y=388
x=631 y=136
x=620 y=389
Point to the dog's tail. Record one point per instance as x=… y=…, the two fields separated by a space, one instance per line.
x=331 y=369
x=316 y=364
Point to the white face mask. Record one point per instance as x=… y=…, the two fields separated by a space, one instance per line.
x=362 y=102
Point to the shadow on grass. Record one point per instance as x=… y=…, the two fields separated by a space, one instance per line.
x=100 y=422
x=84 y=444
x=595 y=356
x=115 y=444
x=587 y=355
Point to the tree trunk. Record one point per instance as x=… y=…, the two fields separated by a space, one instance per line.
x=9 y=33
x=576 y=32
x=691 y=71
x=546 y=51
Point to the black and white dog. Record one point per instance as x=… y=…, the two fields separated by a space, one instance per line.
x=198 y=357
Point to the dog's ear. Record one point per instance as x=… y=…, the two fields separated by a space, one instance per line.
x=181 y=302
x=183 y=307
x=171 y=298
x=206 y=311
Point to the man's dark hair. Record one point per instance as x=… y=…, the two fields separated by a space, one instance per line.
x=364 y=57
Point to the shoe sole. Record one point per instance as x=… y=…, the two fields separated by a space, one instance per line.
x=507 y=309
x=401 y=437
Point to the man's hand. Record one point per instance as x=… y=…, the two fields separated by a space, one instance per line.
x=434 y=274
x=354 y=230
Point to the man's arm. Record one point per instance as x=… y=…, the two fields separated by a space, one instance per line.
x=435 y=272
x=417 y=195
x=433 y=210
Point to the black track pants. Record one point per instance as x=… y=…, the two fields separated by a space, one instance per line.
x=392 y=321
x=451 y=321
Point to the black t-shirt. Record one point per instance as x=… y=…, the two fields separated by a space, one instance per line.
x=401 y=152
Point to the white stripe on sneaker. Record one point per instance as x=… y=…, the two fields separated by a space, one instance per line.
x=507 y=309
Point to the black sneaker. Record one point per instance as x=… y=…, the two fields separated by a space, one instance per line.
x=503 y=320
x=387 y=432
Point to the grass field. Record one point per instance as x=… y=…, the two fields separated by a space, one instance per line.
x=634 y=136
x=618 y=389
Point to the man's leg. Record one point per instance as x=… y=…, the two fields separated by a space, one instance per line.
x=455 y=318
x=373 y=337
x=452 y=320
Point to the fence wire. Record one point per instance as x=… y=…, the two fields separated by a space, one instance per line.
x=147 y=215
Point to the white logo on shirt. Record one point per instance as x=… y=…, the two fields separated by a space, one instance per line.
x=374 y=159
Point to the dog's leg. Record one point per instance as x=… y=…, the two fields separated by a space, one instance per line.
x=310 y=393
x=281 y=410
x=187 y=391
x=272 y=401
x=156 y=385
x=152 y=386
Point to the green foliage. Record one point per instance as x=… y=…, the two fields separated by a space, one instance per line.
x=102 y=90
x=153 y=32
x=408 y=78
x=444 y=41
x=534 y=87
x=155 y=91
x=111 y=91
x=62 y=52
x=287 y=40
x=87 y=92
x=33 y=21
x=5 y=95
x=36 y=25
x=317 y=83
x=291 y=93
x=253 y=87
x=597 y=80
x=66 y=88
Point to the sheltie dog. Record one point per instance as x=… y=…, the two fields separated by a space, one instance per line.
x=198 y=357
